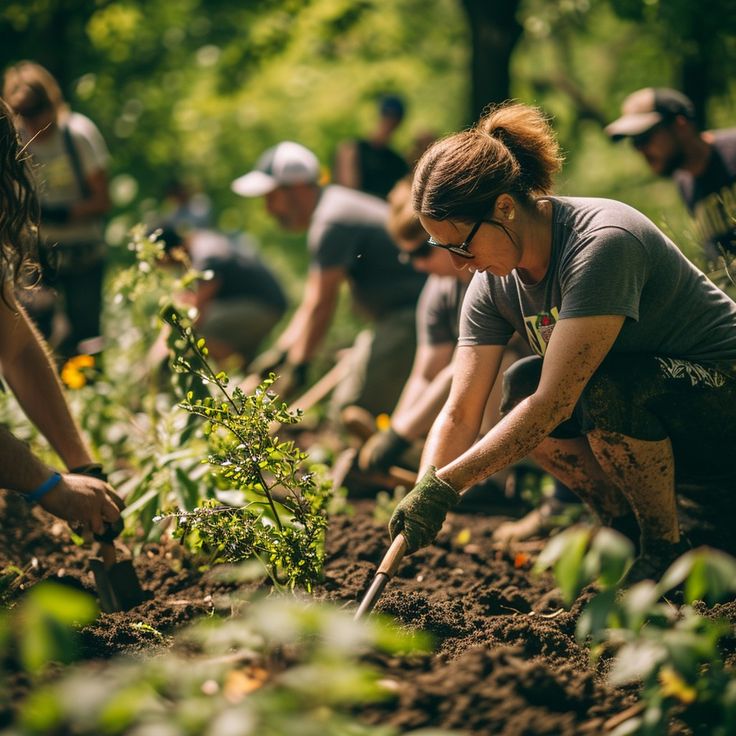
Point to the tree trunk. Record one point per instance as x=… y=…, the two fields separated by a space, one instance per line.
x=494 y=32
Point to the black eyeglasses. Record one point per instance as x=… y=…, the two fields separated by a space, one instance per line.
x=462 y=250
x=422 y=251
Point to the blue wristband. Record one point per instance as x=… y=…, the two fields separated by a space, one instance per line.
x=49 y=484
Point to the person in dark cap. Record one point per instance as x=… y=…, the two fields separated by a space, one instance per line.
x=348 y=243
x=370 y=164
x=660 y=123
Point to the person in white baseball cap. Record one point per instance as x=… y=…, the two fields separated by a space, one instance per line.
x=348 y=242
x=283 y=165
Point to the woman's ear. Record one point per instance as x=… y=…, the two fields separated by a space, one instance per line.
x=505 y=208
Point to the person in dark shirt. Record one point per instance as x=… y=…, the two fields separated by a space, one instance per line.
x=370 y=164
x=241 y=302
x=660 y=123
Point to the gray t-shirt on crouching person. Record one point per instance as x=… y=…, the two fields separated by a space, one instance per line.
x=608 y=259
x=348 y=230
x=439 y=308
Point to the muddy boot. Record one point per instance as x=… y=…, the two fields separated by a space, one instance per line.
x=656 y=556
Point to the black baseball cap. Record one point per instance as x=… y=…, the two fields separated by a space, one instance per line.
x=647 y=107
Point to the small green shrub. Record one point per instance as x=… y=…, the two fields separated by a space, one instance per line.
x=281 y=514
x=284 y=667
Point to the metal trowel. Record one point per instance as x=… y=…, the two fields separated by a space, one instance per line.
x=116 y=581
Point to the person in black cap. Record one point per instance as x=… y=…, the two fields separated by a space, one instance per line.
x=348 y=242
x=660 y=122
x=370 y=164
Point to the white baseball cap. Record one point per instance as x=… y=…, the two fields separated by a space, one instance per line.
x=284 y=164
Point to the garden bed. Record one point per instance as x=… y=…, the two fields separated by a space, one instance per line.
x=505 y=661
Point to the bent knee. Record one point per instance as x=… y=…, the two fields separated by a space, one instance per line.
x=520 y=380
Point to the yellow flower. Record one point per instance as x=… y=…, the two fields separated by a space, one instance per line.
x=83 y=361
x=673 y=686
x=383 y=422
x=72 y=377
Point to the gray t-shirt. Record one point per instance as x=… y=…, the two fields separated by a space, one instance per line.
x=348 y=230
x=438 y=311
x=607 y=259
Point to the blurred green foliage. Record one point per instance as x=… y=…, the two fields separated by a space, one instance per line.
x=283 y=667
x=196 y=89
x=676 y=653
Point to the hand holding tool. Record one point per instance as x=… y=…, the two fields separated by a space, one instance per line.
x=116 y=581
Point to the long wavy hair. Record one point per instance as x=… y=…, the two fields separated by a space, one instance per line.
x=19 y=206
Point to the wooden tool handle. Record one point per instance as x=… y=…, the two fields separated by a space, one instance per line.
x=403 y=476
x=392 y=559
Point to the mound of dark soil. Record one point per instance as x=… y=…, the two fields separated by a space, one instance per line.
x=506 y=660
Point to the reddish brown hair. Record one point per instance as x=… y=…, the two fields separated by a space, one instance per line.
x=512 y=149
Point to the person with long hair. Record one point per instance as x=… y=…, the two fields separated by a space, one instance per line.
x=76 y=497
x=633 y=386
x=71 y=161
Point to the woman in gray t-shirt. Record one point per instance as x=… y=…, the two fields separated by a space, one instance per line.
x=634 y=380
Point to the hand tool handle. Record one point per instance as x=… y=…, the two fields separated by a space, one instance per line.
x=112 y=530
x=386 y=570
x=392 y=559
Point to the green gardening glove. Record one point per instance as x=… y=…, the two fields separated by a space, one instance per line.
x=420 y=514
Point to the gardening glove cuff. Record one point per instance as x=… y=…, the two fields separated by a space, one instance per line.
x=419 y=516
x=382 y=450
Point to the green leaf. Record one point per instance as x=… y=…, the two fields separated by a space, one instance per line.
x=635 y=662
x=638 y=602
x=63 y=604
x=565 y=553
x=613 y=553
x=594 y=619
x=553 y=550
x=712 y=578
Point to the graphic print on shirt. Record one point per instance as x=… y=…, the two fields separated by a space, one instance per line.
x=539 y=329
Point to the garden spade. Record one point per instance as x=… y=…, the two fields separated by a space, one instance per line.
x=386 y=570
x=117 y=584
x=116 y=581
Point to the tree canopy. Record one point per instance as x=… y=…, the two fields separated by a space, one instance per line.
x=198 y=88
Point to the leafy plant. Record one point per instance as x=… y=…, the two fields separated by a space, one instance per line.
x=286 y=666
x=40 y=631
x=673 y=652
x=282 y=513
